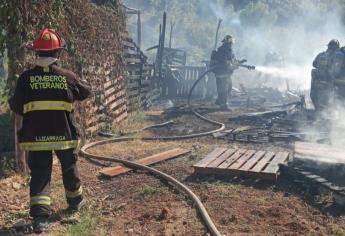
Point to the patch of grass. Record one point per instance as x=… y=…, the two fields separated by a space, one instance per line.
x=149 y=191
x=86 y=226
x=13 y=217
x=312 y=233
x=195 y=226
x=135 y=121
x=336 y=230
x=228 y=189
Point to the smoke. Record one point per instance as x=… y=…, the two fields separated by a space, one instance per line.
x=335 y=116
x=327 y=126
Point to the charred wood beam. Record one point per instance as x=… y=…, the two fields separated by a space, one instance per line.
x=172 y=24
x=217 y=31
x=160 y=55
x=139 y=29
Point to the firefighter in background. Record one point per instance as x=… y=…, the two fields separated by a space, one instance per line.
x=338 y=75
x=44 y=96
x=323 y=75
x=224 y=62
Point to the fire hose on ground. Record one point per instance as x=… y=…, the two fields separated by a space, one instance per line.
x=178 y=185
x=183 y=188
x=186 y=136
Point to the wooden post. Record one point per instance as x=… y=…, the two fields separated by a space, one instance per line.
x=162 y=39
x=139 y=30
x=21 y=163
x=157 y=63
x=216 y=40
x=171 y=31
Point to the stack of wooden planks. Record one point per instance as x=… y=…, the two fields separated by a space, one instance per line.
x=139 y=75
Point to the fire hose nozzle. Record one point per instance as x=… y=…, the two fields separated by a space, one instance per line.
x=248 y=67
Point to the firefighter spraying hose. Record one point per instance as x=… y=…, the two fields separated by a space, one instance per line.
x=224 y=63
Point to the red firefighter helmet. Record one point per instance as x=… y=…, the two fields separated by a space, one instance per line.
x=48 y=40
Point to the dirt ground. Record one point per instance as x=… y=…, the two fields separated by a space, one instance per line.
x=138 y=203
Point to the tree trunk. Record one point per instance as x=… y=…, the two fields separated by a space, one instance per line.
x=20 y=155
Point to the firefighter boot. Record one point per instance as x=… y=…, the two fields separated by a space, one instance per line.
x=40 y=224
x=76 y=207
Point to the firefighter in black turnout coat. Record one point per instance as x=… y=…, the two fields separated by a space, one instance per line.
x=44 y=96
x=224 y=62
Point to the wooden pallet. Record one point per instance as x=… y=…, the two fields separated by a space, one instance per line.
x=242 y=162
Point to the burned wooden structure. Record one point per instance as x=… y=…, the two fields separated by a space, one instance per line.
x=279 y=124
x=171 y=72
x=180 y=80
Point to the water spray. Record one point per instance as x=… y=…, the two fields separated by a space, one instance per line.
x=300 y=74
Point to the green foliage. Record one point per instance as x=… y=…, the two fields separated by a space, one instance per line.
x=16 y=29
x=3 y=92
x=86 y=226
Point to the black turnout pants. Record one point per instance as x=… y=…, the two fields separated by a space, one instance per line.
x=40 y=164
x=224 y=87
